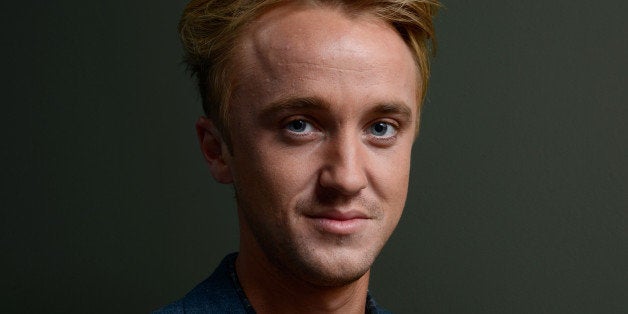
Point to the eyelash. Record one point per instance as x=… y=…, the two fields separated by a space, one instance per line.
x=311 y=129
x=388 y=126
x=306 y=125
x=383 y=141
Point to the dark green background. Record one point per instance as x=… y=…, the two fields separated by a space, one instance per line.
x=519 y=196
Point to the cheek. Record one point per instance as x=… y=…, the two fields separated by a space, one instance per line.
x=272 y=176
x=393 y=171
x=288 y=173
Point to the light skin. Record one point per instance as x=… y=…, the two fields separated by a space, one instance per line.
x=321 y=125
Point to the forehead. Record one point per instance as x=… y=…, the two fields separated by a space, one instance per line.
x=295 y=44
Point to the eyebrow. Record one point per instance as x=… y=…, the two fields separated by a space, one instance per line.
x=294 y=103
x=394 y=108
x=318 y=104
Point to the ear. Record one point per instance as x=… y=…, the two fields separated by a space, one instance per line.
x=214 y=150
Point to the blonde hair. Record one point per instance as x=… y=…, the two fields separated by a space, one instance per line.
x=210 y=30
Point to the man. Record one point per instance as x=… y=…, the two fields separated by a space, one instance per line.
x=312 y=109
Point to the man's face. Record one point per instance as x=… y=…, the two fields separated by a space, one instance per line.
x=322 y=125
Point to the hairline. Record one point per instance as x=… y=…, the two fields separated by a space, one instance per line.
x=265 y=8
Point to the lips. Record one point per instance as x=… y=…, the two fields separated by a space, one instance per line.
x=339 y=222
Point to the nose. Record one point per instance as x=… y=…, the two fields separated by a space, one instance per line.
x=344 y=169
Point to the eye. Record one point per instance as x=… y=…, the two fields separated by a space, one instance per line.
x=299 y=126
x=382 y=130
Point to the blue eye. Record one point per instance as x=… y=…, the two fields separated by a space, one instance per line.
x=299 y=126
x=382 y=129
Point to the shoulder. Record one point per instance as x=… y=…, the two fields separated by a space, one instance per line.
x=373 y=308
x=216 y=294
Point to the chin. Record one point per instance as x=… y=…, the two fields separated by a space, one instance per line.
x=330 y=269
x=338 y=279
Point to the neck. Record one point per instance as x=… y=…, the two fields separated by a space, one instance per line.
x=270 y=290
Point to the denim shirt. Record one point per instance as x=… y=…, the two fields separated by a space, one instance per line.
x=222 y=293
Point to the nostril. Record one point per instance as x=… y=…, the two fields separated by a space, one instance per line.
x=344 y=171
x=333 y=196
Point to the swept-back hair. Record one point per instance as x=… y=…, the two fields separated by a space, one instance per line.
x=210 y=30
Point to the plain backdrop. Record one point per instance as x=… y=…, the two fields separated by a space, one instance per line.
x=519 y=194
